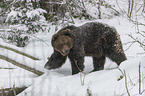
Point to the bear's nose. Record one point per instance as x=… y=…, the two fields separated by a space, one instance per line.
x=66 y=51
x=47 y=67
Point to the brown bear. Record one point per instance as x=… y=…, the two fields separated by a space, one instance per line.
x=91 y=39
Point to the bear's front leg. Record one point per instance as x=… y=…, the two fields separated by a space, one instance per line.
x=77 y=61
x=55 y=61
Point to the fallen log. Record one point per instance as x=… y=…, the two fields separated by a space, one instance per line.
x=12 y=91
x=33 y=70
x=17 y=90
x=19 y=52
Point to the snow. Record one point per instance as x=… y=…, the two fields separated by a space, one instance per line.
x=12 y=14
x=36 y=12
x=60 y=82
x=101 y=83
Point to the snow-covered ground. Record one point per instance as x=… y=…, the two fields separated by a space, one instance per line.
x=60 y=82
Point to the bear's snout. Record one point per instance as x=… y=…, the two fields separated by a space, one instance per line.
x=66 y=51
x=47 y=67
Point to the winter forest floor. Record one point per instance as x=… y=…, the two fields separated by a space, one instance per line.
x=128 y=79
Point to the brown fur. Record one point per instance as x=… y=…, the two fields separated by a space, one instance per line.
x=63 y=44
x=91 y=39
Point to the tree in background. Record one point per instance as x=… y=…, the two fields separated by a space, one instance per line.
x=24 y=20
x=70 y=9
x=135 y=13
x=26 y=17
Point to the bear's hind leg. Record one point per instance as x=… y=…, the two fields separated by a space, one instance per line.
x=98 y=63
x=117 y=57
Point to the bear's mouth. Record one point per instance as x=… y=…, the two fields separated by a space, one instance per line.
x=65 y=52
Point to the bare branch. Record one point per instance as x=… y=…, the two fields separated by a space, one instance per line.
x=8 y=6
x=139 y=79
x=126 y=84
x=136 y=40
x=67 y=4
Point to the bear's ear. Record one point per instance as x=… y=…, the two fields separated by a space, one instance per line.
x=54 y=37
x=67 y=32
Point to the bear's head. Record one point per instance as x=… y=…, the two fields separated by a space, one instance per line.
x=63 y=41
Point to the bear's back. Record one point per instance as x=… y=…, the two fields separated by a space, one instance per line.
x=91 y=31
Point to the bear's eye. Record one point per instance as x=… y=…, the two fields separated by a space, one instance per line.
x=61 y=45
x=68 y=44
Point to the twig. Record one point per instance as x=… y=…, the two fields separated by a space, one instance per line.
x=2 y=93
x=69 y=11
x=131 y=81
x=109 y=6
x=6 y=68
x=124 y=74
x=83 y=10
x=136 y=40
x=128 y=42
x=55 y=3
x=123 y=11
x=82 y=79
x=129 y=46
x=14 y=90
x=141 y=34
x=126 y=84
x=120 y=71
x=8 y=6
x=131 y=8
x=83 y=4
x=136 y=22
x=40 y=40
x=139 y=79
x=143 y=91
x=128 y=7
x=99 y=9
